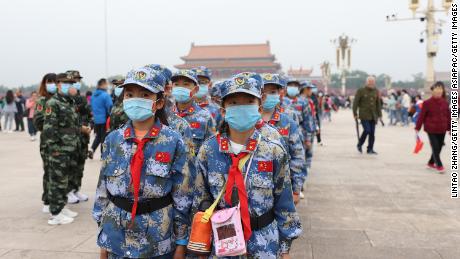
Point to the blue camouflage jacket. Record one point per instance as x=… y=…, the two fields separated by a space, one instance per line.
x=288 y=129
x=214 y=110
x=201 y=124
x=285 y=107
x=306 y=120
x=165 y=170
x=268 y=187
x=309 y=120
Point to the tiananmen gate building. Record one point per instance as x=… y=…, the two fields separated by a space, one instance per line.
x=227 y=60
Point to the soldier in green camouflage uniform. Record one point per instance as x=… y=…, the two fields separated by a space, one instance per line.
x=117 y=116
x=84 y=119
x=62 y=131
x=46 y=91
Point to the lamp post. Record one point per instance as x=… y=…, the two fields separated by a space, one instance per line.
x=106 y=57
x=343 y=57
x=326 y=75
x=431 y=32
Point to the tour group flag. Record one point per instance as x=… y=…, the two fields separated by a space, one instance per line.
x=418 y=144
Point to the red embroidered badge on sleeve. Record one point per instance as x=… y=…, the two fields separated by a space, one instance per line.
x=265 y=166
x=195 y=125
x=163 y=157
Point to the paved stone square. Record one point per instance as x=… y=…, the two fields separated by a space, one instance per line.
x=356 y=206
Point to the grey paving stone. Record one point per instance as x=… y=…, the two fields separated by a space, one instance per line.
x=40 y=254
x=452 y=253
x=356 y=206
x=413 y=239
x=337 y=237
x=365 y=252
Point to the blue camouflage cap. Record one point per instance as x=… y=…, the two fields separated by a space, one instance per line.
x=202 y=71
x=292 y=80
x=164 y=70
x=215 y=89
x=306 y=84
x=283 y=81
x=247 y=82
x=152 y=80
x=190 y=74
x=273 y=79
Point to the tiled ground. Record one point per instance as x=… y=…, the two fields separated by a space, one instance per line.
x=356 y=206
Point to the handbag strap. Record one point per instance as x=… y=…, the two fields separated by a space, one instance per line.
x=208 y=212
x=250 y=161
x=249 y=165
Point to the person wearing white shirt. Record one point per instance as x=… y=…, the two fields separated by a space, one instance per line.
x=406 y=100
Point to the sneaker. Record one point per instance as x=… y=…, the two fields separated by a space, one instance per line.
x=32 y=138
x=71 y=198
x=372 y=152
x=431 y=166
x=59 y=219
x=69 y=213
x=360 y=149
x=81 y=196
x=46 y=209
x=440 y=169
x=90 y=154
x=301 y=195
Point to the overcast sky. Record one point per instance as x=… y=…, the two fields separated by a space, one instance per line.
x=40 y=36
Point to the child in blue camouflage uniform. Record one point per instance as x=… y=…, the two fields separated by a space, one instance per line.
x=301 y=107
x=270 y=220
x=184 y=88
x=216 y=101
x=306 y=93
x=287 y=128
x=144 y=191
x=202 y=96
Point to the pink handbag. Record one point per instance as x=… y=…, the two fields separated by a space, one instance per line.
x=226 y=224
x=228 y=232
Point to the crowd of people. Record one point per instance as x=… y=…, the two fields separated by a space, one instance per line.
x=14 y=107
x=433 y=114
x=176 y=147
x=186 y=159
x=402 y=108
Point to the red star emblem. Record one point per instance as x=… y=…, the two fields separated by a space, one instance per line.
x=252 y=145
x=224 y=144
x=127 y=133
x=154 y=132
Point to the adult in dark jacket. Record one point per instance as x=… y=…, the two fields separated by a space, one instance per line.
x=368 y=104
x=435 y=116
x=101 y=105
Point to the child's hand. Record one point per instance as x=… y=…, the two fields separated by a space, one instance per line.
x=104 y=254
x=180 y=252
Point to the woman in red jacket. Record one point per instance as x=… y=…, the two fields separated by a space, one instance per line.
x=435 y=116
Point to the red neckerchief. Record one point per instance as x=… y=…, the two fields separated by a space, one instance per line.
x=312 y=107
x=137 y=162
x=235 y=177
x=136 y=169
